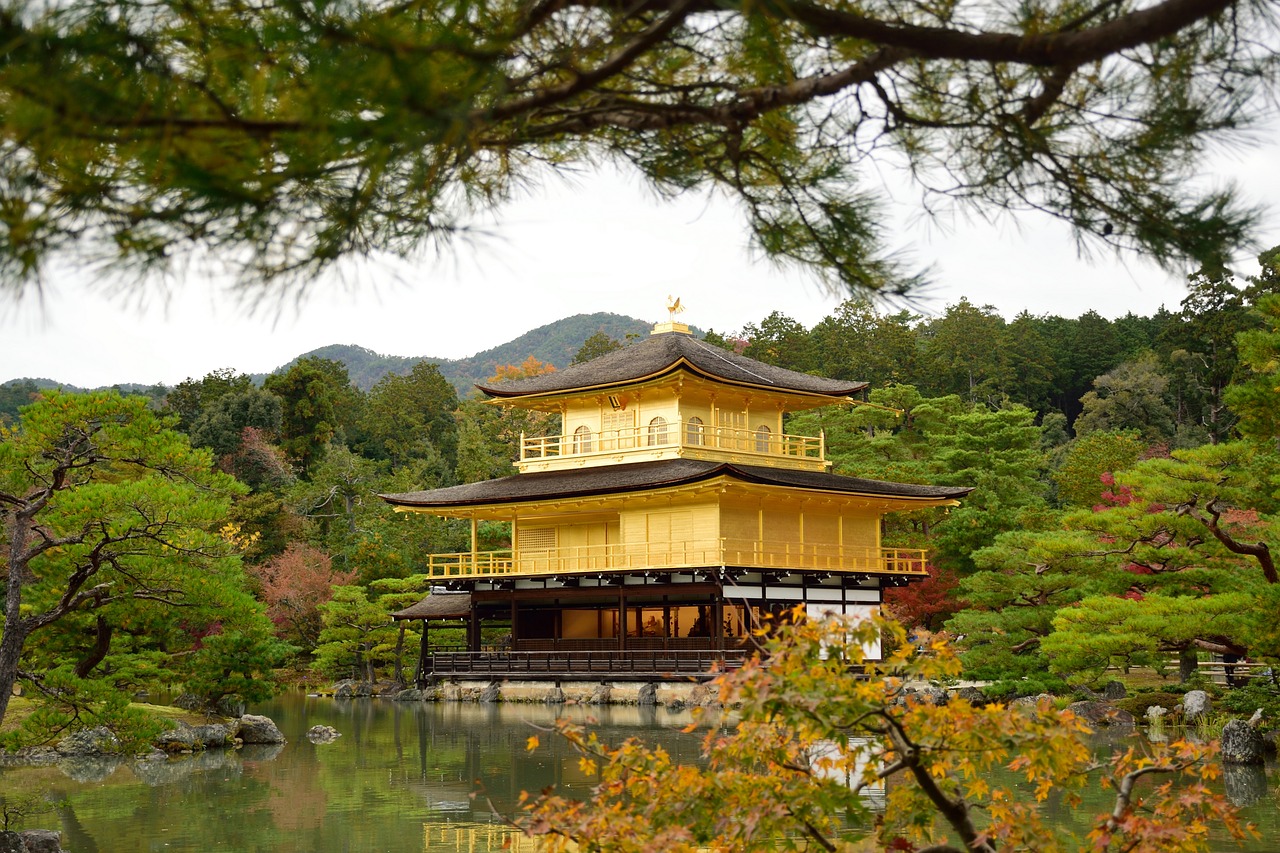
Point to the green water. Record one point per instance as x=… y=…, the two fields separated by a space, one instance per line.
x=403 y=777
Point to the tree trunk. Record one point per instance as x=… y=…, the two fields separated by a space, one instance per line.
x=15 y=634
x=15 y=630
x=1188 y=664
x=400 y=654
x=101 y=645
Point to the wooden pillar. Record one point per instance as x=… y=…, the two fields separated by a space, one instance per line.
x=474 y=536
x=515 y=544
x=473 y=629
x=666 y=622
x=420 y=675
x=514 y=613
x=717 y=628
x=622 y=621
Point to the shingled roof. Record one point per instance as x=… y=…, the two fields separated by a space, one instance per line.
x=643 y=476
x=665 y=353
x=438 y=605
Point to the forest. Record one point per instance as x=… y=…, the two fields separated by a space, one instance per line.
x=1126 y=476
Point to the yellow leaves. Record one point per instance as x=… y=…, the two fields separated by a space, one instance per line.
x=532 y=743
x=230 y=532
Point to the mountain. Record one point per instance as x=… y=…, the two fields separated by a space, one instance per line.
x=555 y=343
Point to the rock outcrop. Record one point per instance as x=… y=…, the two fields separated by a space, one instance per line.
x=352 y=689
x=323 y=734
x=255 y=728
x=99 y=740
x=31 y=841
x=1113 y=690
x=972 y=695
x=1196 y=705
x=1100 y=714
x=1242 y=744
x=184 y=737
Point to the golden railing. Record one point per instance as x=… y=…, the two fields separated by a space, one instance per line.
x=654 y=437
x=587 y=559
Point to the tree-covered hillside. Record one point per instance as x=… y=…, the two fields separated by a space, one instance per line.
x=554 y=343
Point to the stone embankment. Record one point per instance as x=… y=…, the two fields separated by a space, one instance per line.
x=180 y=738
x=670 y=695
x=92 y=755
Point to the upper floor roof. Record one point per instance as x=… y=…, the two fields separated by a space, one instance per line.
x=663 y=354
x=647 y=476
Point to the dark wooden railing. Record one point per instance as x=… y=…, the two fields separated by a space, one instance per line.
x=584 y=665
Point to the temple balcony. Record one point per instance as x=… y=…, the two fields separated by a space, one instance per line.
x=679 y=556
x=670 y=441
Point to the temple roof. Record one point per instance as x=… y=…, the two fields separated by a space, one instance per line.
x=661 y=354
x=643 y=476
x=438 y=605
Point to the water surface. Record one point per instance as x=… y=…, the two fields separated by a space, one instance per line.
x=403 y=777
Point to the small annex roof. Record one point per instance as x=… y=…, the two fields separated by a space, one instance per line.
x=438 y=605
x=661 y=354
x=643 y=476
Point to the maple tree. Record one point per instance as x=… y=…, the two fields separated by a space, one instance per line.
x=819 y=725
x=927 y=603
x=293 y=586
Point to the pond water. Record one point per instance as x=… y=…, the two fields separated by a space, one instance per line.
x=401 y=778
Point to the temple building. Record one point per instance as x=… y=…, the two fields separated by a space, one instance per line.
x=651 y=536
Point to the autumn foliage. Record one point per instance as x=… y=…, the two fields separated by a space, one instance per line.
x=529 y=367
x=928 y=603
x=294 y=585
x=817 y=727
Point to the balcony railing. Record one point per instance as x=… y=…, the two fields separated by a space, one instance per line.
x=672 y=435
x=590 y=559
x=592 y=665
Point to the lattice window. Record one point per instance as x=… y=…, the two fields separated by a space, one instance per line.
x=617 y=430
x=536 y=539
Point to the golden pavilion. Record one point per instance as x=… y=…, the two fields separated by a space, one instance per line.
x=672 y=512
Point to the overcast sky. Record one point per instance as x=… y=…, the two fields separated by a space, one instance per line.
x=600 y=244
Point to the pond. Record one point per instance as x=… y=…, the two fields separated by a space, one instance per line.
x=401 y=778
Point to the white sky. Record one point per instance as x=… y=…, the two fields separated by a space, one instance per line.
x=600 y=245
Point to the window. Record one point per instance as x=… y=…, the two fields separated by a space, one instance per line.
x=537 y=538
x=657 y=431
x=732 y=429
x=582 y=439
x=762 y=439
x=617 y=430
x=695 y=432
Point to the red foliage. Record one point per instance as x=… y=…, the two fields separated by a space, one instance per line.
x=294 y=585
x=1113 y=495
x=199 y=632
x=257 y=463
x=927 y=603
x=1156 y=451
